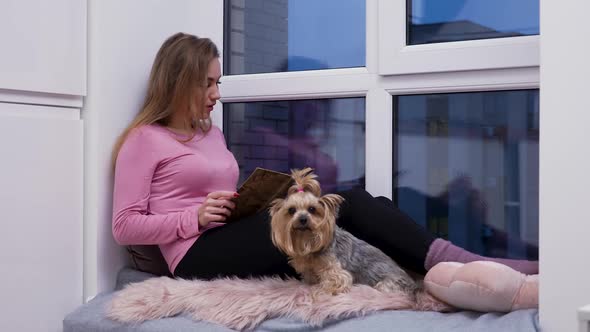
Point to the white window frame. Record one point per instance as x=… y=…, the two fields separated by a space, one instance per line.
x=378 y=89
x=395 y=57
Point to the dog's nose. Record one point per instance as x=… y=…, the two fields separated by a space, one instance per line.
x=303 y=220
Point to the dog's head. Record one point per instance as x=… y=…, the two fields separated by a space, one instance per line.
x=304 y=221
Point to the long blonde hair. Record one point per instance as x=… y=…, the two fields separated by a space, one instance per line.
x=177 y=83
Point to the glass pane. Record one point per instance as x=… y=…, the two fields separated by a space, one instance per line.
x=436 y=21
x=326 y=134
x=467 y=168
x=263 y=36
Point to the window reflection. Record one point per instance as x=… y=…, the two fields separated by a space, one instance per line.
x=326 y=134
x=263 y=36
x=434 y=21
x=467 y=168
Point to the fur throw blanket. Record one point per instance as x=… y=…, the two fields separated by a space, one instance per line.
x=243 y=304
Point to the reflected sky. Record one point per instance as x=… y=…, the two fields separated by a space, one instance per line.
x=502 y=15
x=332 y=32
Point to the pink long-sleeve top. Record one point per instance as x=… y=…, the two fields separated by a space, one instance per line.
x=160 y=182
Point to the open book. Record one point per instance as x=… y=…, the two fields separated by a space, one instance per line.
x=259 y=189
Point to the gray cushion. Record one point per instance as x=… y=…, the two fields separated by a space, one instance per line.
x=91 y=318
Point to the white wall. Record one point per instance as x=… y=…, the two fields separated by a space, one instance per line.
x=43 y=46
x=123 y=39
x=564 y=163
x=42 y=84
x=41 y=201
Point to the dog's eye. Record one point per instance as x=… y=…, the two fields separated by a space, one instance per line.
x=311 y=209
x=292 y=211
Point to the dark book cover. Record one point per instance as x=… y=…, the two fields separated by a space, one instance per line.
x=258 y=191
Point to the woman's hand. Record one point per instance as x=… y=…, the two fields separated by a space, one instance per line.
x=217 y=207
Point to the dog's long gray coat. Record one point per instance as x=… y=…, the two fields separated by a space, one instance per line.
x=369 y=265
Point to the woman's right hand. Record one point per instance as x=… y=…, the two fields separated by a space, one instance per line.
x=217 y=207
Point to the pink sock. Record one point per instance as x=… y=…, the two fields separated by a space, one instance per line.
x=444 y=251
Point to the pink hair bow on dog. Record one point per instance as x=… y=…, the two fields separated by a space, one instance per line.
x=300 y=190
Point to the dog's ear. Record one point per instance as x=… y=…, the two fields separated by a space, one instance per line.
x=332 y=202
x=275 y=206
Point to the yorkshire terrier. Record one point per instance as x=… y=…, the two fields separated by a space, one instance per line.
x=303 y=226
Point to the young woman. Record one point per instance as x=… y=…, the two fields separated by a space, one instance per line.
x=175 y=180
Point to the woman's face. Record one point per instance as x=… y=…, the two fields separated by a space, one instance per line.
x=212 y=92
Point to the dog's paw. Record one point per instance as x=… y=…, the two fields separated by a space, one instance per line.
x=320 y=291
x=337 y=284
x=387 y=286
x=337 y=289
x=317 y=292
x=400 y=285
x=341 y=289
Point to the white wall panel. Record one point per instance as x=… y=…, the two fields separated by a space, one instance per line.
x=564 y=163
x=43 y=46
x=41 y=200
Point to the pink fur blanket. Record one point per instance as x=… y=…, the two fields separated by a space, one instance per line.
x=243 y=304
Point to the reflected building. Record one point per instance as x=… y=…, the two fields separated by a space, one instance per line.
x=453 y=31
x=257 y=31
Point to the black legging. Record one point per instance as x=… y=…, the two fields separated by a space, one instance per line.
x=244 y=248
